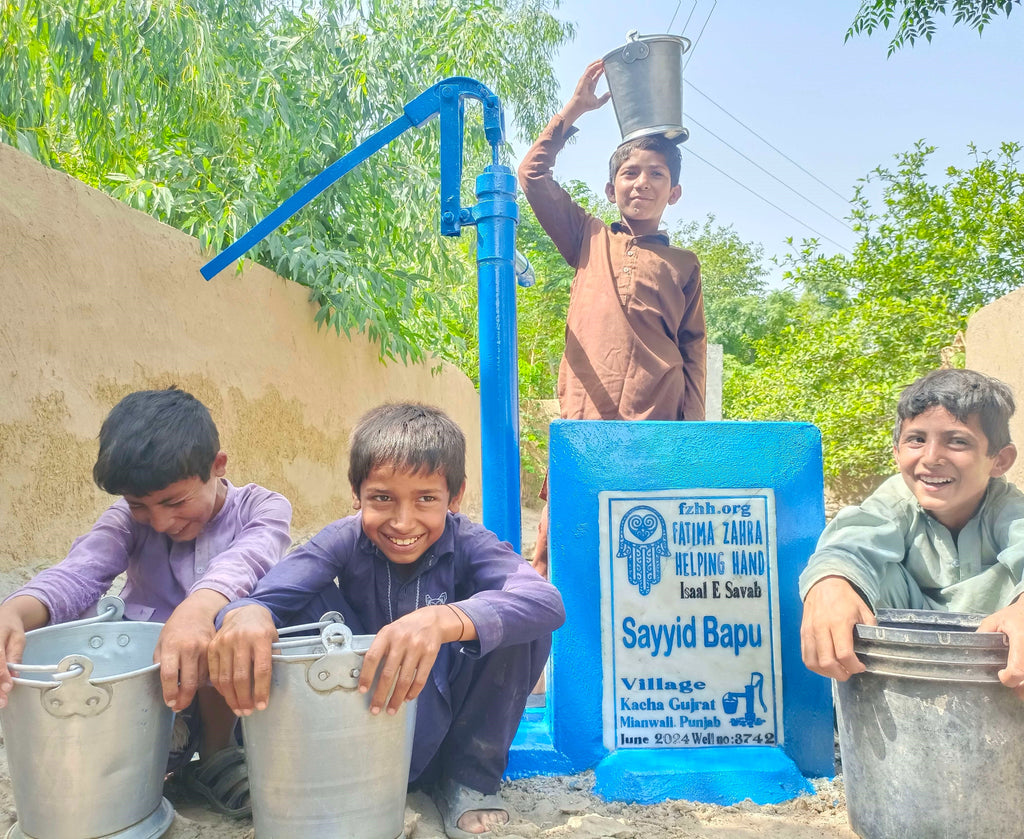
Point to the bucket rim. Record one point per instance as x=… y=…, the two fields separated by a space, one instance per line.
x=681 y=40
x=944 y=637
x=101 y=627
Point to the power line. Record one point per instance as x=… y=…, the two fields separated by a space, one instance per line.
x=769 y=174
x=763 y=140
x=766 y=201
x=700 y=34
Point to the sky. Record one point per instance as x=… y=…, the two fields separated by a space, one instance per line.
x=778 y=74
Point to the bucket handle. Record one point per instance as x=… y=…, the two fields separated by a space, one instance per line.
x=340 y=665
x=75 y=695
x=638 y=50
x=109 y=608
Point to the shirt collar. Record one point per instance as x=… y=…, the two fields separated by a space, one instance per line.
x=623 y=227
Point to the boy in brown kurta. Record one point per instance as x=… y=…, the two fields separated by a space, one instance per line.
x=635 y=342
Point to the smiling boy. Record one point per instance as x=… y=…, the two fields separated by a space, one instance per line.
x=462 y=622
x=635 y=340
x=946 y=533
x=188 y=542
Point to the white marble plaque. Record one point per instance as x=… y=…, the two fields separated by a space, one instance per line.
x=690 y=629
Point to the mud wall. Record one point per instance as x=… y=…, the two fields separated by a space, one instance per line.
x=99 y=300
x=995 y=346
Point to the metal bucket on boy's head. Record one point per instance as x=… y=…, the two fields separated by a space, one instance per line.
x=321 y=766
x=645 y=77
x=87 y=731
x=932 y=743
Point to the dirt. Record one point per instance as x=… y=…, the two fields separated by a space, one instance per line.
x=554 y=808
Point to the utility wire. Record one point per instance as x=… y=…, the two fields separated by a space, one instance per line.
x=766 y=201
x=700 y=34
x=763 y=140
x=769 y=174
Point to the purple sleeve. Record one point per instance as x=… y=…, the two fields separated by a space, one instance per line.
x=509 y=603
x=85 y=574
x=289 y=585
x=561 y=217
x=263 y=521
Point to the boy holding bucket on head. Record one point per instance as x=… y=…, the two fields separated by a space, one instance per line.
x=946 y=533
x=635 y=341
x=190 y=542
x=463 y=624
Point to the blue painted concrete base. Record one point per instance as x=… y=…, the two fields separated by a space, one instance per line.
x=533 y=752
x=711 y=775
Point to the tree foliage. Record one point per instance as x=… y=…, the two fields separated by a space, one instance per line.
x=867 y=325
x=209 y=114
x=917 y=17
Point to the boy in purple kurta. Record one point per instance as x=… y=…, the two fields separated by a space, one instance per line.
x=189 y=542
x=461 y=620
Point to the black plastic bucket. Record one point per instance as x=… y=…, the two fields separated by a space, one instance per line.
x=932 y=743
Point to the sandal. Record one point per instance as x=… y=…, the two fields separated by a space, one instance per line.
x=453 y=801
x=223 y=780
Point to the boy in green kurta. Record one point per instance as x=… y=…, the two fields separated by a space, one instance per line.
x=946 y=533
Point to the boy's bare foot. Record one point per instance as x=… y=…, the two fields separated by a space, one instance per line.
x=467 y=812
x=481 y=821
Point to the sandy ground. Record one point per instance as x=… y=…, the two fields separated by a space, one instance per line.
x=549 y=807
x=555 y=808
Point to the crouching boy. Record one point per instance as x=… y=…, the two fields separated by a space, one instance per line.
x=189 y=542
x=946 y=533
x=461 y=621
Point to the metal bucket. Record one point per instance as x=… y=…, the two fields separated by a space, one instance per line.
x=87 y=731
x=932 y=743
x=645 y=78
x=321 y=766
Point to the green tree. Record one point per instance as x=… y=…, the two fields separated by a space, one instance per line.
x=917 y=17
x=867 y=325
x=738 y=307
x=209 y=114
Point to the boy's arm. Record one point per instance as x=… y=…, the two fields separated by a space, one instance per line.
x=405 y=651
x=844 y=577
x=239 y=654
x=1010 y=620
x=181 y=651
x=93 y=561
x=17 y=615
x=264 y=536
x=1008 y=530
x=831 y=610
x=561 y=217
x=693 y=347
x=507 y=601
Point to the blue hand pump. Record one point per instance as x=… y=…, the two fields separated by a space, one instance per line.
x=495 y=216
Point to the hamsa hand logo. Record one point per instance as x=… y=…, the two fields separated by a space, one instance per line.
x=643 y=541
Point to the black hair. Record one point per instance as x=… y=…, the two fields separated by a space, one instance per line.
x=651 y=142
x=962 y=393
x=408 y=436
x=153 y=438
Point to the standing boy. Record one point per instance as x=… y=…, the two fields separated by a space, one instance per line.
x=190 y=542
x=461 y=621
x=635 y=341
x=946 y=533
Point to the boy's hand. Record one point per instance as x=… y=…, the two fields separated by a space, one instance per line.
x=12 y=645
x=17 y=615
x=181 y=649
x=831 y=609
x=405 y=651
x=1011 y=622
x=585 y=97
x=240 y=658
